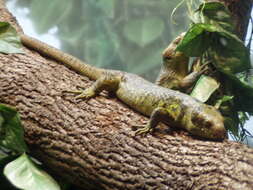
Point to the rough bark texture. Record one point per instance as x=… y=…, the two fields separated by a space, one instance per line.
x=91 y=143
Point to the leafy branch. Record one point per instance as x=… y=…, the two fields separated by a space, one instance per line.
x=212 y=38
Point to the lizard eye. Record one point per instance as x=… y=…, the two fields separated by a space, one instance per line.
x=196 y=120
x=166 y=58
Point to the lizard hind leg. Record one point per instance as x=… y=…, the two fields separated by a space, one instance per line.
x=108 y=81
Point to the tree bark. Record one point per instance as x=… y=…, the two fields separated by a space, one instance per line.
x=92 y=144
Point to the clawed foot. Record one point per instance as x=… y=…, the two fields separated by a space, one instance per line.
x=143 y=129
x=83 y=94
x=200 y=69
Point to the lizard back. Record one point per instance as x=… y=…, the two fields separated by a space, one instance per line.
x=145 y=96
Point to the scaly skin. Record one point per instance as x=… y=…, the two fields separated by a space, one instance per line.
x=160 y=103
x=174 y=71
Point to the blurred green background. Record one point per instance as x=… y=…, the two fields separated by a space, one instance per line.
x=128 y=35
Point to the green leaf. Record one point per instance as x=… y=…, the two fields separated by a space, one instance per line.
x=216 y=13
x=212 y=6
x=11 y=130
x=24 y=174
x=5 y=159
x=222 y=100
x=144 y=31
x=204 y=88
x=227 y=50
x=9 y=39
x=243 y=90
x=197 y=40
x=229 y=53
x=225 y=99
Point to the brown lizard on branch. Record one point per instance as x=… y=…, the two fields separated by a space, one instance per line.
x=174 y=71
x=161 y=104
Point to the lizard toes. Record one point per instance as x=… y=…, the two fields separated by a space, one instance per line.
x=143 y=129
x=73 y=91
x=86 y=94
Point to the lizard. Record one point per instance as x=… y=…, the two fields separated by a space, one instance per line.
x=159 y=103
x=174 y=75
x=174 y=71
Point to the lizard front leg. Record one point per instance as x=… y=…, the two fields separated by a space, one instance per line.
x=108 y=81
x=174 y=72
x=156 y=116
x=191 y=78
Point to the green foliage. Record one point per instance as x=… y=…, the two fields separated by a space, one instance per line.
x=21 y=172
x=9 y=40
x=24 y=174
x=229 y=54
x=217 y=14
x=243 y=90
x=5 y=159
x=197 y=40
x=228 y=51
x=127 y=34
x=212 y=38
x=222 y=100
x=11 y=131
x=204 y=88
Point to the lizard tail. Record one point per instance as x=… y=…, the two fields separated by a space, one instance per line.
x=68 y=60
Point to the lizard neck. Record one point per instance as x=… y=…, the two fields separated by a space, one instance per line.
x=172 y=72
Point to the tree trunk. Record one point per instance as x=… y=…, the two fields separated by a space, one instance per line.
x=92 y=144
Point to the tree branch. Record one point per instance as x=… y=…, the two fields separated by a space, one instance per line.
x=91 y=143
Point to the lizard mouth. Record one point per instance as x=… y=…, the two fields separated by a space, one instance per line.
x=208 y=129
x=219 y=132
x=208 y=124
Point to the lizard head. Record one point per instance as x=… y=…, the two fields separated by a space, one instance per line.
x=173 y=59
x=169 y=52
x=207 y=122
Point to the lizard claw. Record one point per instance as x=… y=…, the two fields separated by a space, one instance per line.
x=86 y=94
x=73 y=91
x=143 y=129
x=83 y=94
x=201 y=68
